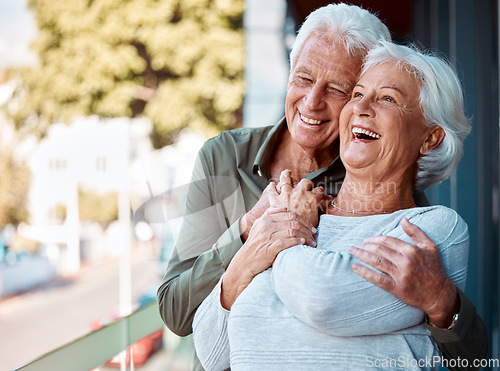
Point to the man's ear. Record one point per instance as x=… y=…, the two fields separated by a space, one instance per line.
x=435 y=137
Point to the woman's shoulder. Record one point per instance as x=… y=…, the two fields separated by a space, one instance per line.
x=433 y=209
x=435 y=212
x=438 y=220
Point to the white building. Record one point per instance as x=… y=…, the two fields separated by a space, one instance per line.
x=99 y=155
x=92 y=153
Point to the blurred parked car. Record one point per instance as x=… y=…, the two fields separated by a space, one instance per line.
x=142 y=349
x=22 y=271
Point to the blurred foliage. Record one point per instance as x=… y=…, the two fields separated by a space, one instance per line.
x=14 y=186
x=178 y=62
x=60 y=213
x=101 y=208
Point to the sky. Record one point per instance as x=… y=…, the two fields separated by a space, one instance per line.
x=17 y=30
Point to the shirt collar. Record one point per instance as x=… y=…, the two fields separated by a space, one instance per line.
x=261 y=163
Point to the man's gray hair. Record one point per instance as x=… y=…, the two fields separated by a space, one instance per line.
x=441 y=103
x=356 y=28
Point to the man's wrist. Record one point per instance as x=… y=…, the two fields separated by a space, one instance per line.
x=454 y=321
x=447 y=318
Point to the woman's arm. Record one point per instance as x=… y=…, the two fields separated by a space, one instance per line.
x=319 y=287
x=210 y=332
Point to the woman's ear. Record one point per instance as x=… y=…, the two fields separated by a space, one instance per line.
x=435 y=137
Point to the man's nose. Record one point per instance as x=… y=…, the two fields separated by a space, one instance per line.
x=314 y=99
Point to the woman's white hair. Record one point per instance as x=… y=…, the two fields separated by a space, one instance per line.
x=441 y=103
x=356 y=28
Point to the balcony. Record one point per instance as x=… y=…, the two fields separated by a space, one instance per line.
x=117 y=345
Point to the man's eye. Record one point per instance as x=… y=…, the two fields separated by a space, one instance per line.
x=338 y=92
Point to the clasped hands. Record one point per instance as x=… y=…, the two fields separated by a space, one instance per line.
x=289 y=216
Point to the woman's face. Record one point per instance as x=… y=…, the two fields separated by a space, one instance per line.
x=382 y=128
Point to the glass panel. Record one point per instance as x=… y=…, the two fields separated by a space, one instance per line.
x=161 y=350
x=86 y=256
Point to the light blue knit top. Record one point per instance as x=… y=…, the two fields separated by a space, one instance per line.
x=311 y=311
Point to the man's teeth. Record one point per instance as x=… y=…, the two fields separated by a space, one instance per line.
x=357 y=130
x=309 y=121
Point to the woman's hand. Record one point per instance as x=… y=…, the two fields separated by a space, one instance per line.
x=290 y=220
x=303 y=199
x=272 y=233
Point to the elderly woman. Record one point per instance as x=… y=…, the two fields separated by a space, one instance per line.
x=401 y=132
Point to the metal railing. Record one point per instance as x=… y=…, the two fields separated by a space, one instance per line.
x=95 y=348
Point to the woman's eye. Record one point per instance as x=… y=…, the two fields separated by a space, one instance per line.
x=389 y=99
x=357 y=95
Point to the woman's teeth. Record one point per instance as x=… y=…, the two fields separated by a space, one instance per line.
x=359 y=133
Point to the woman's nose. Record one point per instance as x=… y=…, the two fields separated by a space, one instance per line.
x=363 y=107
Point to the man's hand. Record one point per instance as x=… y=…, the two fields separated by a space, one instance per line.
x=303 y=199
x=412 y=273
x=247 y=221
x=272 y=233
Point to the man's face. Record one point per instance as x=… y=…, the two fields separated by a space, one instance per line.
x=319 y=86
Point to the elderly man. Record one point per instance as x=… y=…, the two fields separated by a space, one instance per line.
x=233 y=169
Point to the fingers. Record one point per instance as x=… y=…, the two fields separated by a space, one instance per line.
x=293 y=230
x=272 y=191
x=285 y=176
x=285 y=183
x=281 y=215
x=271 y=188
x=417 y=235
x=278 y=210
x=275 y=225
x=325 y=202
x=389 y=242
x=306 y=184
x=319 y=193
x=376 y=256
x=382 y=280
x=284 y=244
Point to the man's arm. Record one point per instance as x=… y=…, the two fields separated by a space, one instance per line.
x=467 y=338
x=188 y=282
x=208 y=239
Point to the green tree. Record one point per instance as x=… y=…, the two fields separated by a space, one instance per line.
x=178 y=62
x=14 y=186
x=102 y=208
